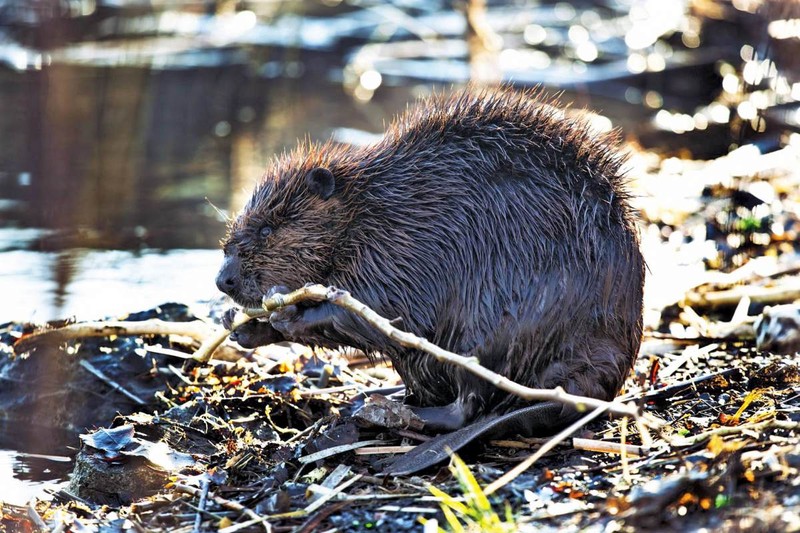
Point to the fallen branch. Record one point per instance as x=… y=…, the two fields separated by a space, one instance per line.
x=99 y=374
x=343 y=299
x=786 y=292
x=196 y=330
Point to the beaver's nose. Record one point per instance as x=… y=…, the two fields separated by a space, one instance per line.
x=228 y=277
x=226 y=284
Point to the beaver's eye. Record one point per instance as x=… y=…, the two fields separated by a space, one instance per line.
x=265 y=232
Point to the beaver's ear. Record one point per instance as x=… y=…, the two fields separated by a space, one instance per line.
x=321 y=182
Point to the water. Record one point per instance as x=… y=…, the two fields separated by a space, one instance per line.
x=92 y=284
x=43 y=467
x=129 y=136
x=26 y=477
x=119 y=197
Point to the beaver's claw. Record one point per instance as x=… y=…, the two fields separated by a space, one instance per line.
x=251 y=334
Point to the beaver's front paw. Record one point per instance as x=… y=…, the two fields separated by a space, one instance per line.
x=289 y=322
x=306 y=322
x=251 y=334
x=277 y=289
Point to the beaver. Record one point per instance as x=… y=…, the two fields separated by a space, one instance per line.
x=485 y=221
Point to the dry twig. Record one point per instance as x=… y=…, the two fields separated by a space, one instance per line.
x=732 y=430
x=99 y=374
x=602 y=446
x=343 y=299
x=196 y=330
x=201 y=506
x=512 y=474
x=227 y=504
x=335 y=450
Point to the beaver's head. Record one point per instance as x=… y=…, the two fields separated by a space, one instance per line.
x=286 y=234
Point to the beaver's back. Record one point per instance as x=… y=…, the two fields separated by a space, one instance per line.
x=496 y=227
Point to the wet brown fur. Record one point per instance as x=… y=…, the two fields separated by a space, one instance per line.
x=489 y=223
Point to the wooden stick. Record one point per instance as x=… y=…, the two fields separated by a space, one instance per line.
x=99 y=374
x=786 y=292
x=512 y=474
x=33 y=514
x=316 y=504
x=335 y=450
x=602 y=446
x=693 y=351
x=623 y=435
x=381 y=450
x=195 y=329
x=343 y=299
x=227 y=504
x=310 y=393
x=201 y=506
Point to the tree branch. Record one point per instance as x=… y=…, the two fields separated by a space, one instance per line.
x=343 y=299
x=195 y=329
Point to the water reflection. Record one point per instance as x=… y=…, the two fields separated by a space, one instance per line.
x=132 y=126
x=143 y=159
x=22 y=476
x=46 y=458
x=90 y=284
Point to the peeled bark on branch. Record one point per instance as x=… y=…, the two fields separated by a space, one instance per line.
x=109 y=328
x=343 y=299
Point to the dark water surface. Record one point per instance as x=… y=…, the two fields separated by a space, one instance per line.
x=44 y=464
x=116 y=182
